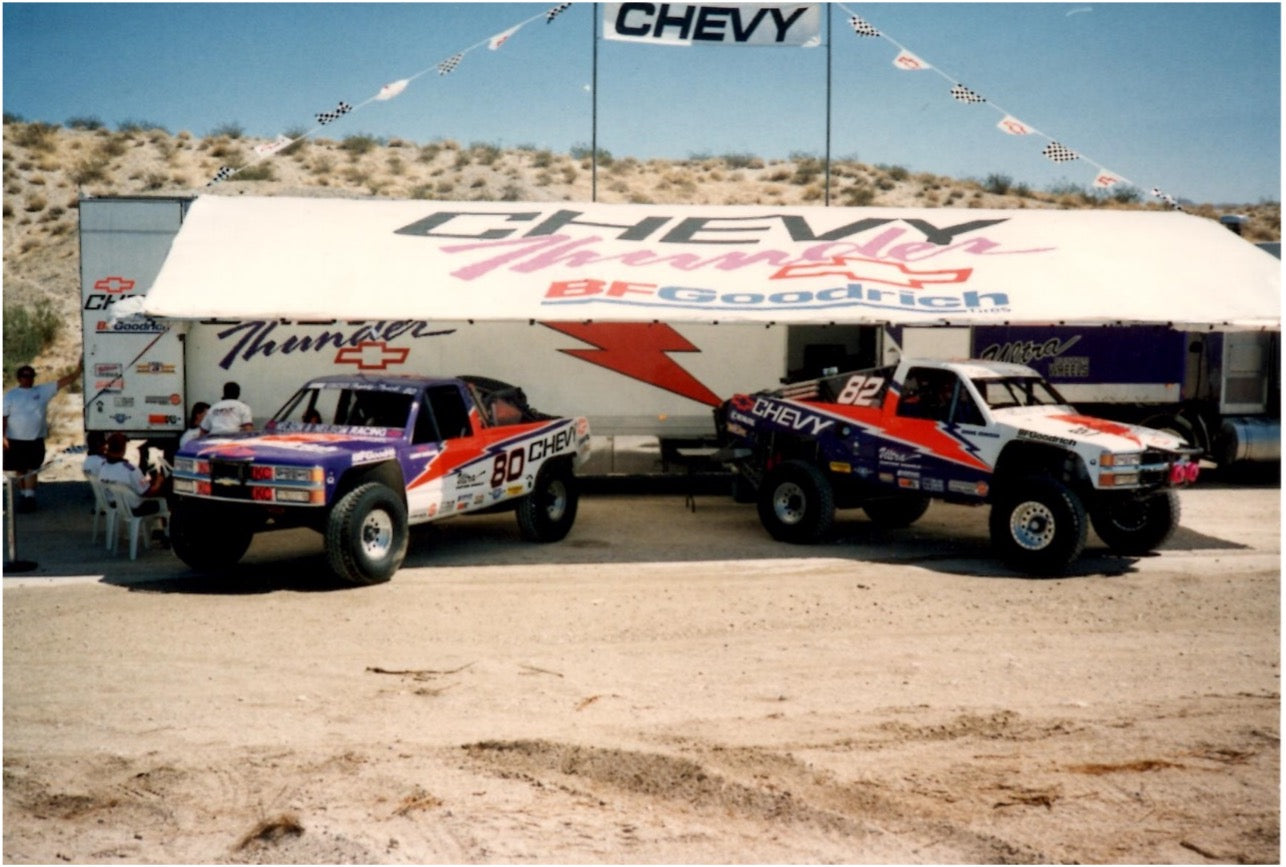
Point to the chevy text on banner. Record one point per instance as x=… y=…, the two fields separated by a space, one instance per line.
x=723 y=24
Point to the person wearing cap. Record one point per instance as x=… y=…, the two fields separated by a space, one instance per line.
x=228 y=415
x=116 y=469
x=26 y=426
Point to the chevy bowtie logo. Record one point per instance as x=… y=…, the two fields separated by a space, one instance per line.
x=114 y=284
x=372 y=355
x=857 y=269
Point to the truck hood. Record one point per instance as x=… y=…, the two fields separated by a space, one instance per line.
x=290 y=448
x=1065 y=426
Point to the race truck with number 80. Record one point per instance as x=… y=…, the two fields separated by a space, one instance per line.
x=891 y=439
x=361 y=458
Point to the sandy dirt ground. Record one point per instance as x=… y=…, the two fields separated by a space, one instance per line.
x=665 y=685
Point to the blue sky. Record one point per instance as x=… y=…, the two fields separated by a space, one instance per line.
x=1182 y=96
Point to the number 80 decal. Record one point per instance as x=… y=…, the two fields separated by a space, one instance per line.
x=508 y=467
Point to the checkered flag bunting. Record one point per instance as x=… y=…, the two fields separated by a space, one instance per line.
x=1059 y=153
x=556 y=11
x=862 y=28
x=1167 y=198
x=450 y=63
x=960 y=93
x=330 y=116
x=222 y=174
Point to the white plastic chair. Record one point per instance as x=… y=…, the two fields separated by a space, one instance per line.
x=102 y=508
x=124 y=501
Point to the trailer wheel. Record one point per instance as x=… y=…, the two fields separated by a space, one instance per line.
x=896 y=512
x=548 y=512
x=1137 y=525
x=366 y=534
x=796 y=503
x=206 y=538
x=1038 y=525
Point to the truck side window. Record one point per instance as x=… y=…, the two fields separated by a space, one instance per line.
x=426 y=431
x=927 y=393
x=967 y=411
x=449 y=411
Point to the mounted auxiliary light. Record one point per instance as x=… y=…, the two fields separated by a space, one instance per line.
x=1184 y=473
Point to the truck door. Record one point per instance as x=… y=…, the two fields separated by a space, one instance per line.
x=133 y=367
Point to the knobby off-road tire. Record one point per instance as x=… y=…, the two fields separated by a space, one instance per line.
x=1038 y=525
x=366 y=534
x=896 y=512
x=548 y=512
x=1137 y=526
x=206 y=538
x=796 y=503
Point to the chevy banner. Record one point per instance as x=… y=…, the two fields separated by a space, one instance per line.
x=721 y=24
x=387 y=259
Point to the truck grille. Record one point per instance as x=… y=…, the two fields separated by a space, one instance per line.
x=229 y=479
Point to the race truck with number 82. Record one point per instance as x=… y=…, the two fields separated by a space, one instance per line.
x=891 y=439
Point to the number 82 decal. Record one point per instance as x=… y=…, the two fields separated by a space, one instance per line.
x=860 y=390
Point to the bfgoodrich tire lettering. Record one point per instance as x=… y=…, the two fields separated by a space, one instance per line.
x=366 y=534
x=1136 y=525
x=548 y=512
x=1038 y=525
x=796 y=503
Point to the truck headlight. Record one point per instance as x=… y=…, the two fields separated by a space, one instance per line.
x=1112 y=459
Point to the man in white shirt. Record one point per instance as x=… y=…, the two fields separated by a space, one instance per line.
x=228 y=415
x=25 y=428
x=116 y=469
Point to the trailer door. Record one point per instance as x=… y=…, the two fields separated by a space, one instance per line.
x=133 y=366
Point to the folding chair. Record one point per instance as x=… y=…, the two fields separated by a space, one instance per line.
x=125 y=504
x=102 y=508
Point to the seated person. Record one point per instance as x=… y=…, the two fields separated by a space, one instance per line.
x=148 y=490
x=95 y=445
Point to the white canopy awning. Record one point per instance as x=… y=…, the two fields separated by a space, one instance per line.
x=309 y=258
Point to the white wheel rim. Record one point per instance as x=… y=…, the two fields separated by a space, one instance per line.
x=377 y=534
x=789 y=503
x=555 y=501
x=1031 y=525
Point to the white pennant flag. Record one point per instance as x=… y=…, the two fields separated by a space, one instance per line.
x=500 y=38
x=1013 y=126
x=279 y=143
x=392 y=89
x=907 y=60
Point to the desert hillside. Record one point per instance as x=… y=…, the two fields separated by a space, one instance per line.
x=49 y=167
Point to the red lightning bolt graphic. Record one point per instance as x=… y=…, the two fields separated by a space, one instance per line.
x=638 y=350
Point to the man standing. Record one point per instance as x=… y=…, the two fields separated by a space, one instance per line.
x=228 y=415
x=26 y=426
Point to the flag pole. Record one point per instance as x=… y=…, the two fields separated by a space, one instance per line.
x=827 y=199
x=593 y=87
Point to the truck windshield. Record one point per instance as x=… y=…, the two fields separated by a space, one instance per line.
x=343 y=407
x=1018 y=391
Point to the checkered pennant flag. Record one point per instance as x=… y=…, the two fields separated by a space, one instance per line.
x=330 y=116
x=450 y=63
x=1059 y=153
x=556 y=11
x=960 y=93
x=1167 y=198
x=862 y=28
x=222 y=174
